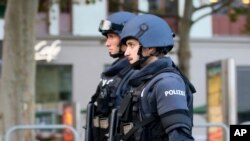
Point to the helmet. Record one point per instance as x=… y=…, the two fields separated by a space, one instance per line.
x=115 y=22
x=149 y=30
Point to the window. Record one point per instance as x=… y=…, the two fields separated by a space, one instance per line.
x=53 y=83
x=232 y=20
x=167 y=9
x=162 y=7
x=227 y=9
x=243 y=93
x=122 y=5
x=3 y=4
x=44 y=5
x=65 y=17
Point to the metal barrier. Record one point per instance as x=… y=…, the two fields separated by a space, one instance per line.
x=226 y=129
x=12 y=129
x=77 y=138
x=245 y=123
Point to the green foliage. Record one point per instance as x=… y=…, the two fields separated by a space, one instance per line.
x=233 y=16
x=235 y=12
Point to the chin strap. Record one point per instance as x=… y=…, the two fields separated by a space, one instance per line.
x=137 y=65
x=119 y=54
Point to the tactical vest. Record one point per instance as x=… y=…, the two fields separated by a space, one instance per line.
x=104 y=99
x=131 y=125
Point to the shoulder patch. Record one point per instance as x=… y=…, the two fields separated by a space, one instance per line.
x=175 y=92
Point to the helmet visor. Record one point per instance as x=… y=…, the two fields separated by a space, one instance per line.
x=105 y=25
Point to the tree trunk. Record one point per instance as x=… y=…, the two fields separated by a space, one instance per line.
x=18 y=68
x=184 y=53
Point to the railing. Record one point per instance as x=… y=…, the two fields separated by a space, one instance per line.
x=226 y=129
x=18 y=127
x=245 y=123
x=77 y=138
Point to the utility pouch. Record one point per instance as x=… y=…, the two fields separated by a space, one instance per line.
x=96 y=128
x=104 y=128
x=100 y=128
x=104 y=123
x=96 y=122
x=127 y=127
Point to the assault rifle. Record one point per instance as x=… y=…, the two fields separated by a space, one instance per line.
x=113 y=125
x=89 y=122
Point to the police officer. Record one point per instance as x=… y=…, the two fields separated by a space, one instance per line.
x=113 y=80
x=158 y=106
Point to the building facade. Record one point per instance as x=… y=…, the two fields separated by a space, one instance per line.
x=73 y=75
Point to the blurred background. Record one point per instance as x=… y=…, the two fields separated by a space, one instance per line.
x=212 y=46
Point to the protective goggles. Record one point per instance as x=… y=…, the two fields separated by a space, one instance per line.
x=106 y=25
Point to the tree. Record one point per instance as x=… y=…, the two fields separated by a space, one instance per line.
x=185 y=24
x=236 y=11
x=18 y=68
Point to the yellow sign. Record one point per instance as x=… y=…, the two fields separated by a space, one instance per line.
x=215 y=102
